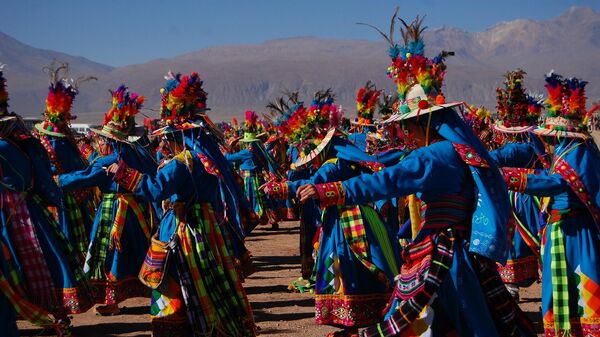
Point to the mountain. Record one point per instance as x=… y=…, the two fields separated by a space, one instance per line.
x=247 y=76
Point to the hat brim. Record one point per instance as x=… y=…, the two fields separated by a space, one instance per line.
x=420 y=112
x=513 y=129
x=559 y=133
x=7 y=118
x=361 y=124
x=41 y=129
x=103 y=133
x=171 y=129
x=303 y=161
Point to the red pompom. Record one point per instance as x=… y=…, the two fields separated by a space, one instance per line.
x=423 y=104
x=440 y=99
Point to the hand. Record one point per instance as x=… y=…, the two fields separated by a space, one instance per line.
x=112 y=169
x=307 y=192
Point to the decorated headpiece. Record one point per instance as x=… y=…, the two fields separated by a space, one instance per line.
x=309 y=130
x=119 y=121
x=513 y=105
x=566 y=114
x=182 y=98
x=61 y=93
x=418 y=79
x=252 y=126
x=366 y=102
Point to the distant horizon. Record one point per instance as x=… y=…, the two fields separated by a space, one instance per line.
x=117 y=34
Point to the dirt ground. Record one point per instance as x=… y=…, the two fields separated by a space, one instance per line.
x=277 y=311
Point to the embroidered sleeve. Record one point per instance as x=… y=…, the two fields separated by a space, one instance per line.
x=86 y=151
x=516 y=178
x=277 y=190
x=331 y=194
x=127 y=177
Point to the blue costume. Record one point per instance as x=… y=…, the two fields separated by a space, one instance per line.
x=571 y=239
x=463 y=230
x=254 y=162
x=202 y=282
x=522 y=266
x=76 y=217
x=121 y=231
x=45 y=261
x=357 y=259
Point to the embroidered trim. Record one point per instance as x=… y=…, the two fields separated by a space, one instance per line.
x=470 y=156
x=349 y=310
x=331 y=194
x=516 y=178
x=563 y=168
x=127 y=177
x=371 y=165
x=209 y=165
x=277 y=190
x=86 y=151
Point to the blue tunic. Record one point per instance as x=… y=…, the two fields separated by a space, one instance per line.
x=115 y=274
x=522 y=264
x=19 y=172
x=439 y=177
x=348 y=291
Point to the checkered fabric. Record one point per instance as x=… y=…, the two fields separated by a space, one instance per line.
x=126 y=201
x=75 y=223
x=558 y=266
x=96 y=257
x=353 y=227
x=28 y=250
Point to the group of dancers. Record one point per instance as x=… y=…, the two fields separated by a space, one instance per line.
x=425 y=222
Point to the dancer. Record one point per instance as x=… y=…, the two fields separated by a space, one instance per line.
x=121 y=231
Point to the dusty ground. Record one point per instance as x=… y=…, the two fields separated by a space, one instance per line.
x=277 y=311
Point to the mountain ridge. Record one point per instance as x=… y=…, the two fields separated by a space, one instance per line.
x=240 y=77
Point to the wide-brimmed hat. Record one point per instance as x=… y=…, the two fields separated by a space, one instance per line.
x=305 y=159
x=566 y=114
x=418 y=103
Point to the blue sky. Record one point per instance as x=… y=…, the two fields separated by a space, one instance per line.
x=135 y=31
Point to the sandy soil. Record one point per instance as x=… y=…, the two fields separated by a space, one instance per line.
x=277 y=311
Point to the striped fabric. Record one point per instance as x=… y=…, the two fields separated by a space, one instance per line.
x=28 y=250
x=126 y=201
x=409 y=310
x=353 y=227
x=28 y=310
x=210 y=278
x=252 y=184
x=558 y=267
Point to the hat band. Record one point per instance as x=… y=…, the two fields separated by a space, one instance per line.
x=112 y=131
x=563 y=124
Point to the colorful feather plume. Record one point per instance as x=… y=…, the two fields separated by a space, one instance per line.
x=305 y=128
x=566 y=99
x=125 y=106
x=409 y=65
x=366 y=101
x=251 y=122
x=182 y=97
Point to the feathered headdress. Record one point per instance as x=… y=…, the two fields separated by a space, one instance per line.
x=513 y=105
x=306 y=128
x=182 y=98
x=119 y=121
x=566 y=114
x=418 y=79
x=366 y=101
x=61 y=93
